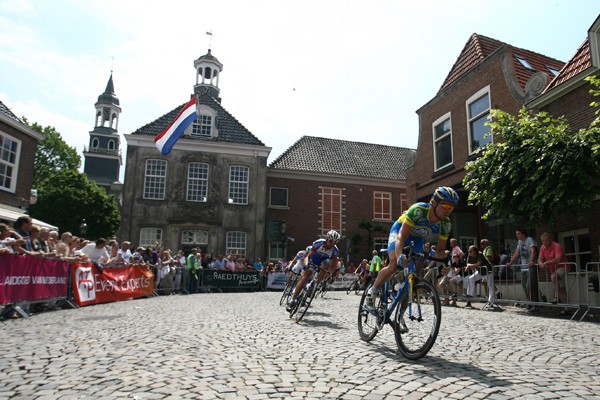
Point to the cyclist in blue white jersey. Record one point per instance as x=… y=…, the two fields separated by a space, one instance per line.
x=414 y=225
x=324 y=253
x=297 y=264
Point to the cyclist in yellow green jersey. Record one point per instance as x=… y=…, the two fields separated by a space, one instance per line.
x=414 y=225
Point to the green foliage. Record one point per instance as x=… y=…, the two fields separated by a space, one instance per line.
x=67 y=197
x=53 y=154
x=536 y=169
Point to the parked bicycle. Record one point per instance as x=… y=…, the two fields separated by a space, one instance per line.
x=412 y=307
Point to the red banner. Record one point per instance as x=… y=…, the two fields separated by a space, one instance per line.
x=112 y=284
x=25 y=278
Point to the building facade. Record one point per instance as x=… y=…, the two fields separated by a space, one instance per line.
x=320 y=184
x=487 y=74
x=209 y=191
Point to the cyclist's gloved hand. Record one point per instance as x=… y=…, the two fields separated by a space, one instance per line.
x=401 y=260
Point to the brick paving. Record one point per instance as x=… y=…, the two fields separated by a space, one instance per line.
x=244 y=346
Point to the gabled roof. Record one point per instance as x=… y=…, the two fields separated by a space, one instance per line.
x=6 y=111
x=230 y=129
x=479 y=47
x=580 y=61
x=341 y=157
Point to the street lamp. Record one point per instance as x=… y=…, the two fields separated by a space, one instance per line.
x=82 y=228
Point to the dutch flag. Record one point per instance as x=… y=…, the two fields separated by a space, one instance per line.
x=166 y=139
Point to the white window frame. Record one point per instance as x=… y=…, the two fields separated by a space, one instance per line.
x=576 y=254
x=465 y=241
x=155 y=183
x=474 y=118
x=443 y=138
x=149 y=236
x=381 y=197
x=197 y=186
x=202 y=124
x=6 y=164
x=339 y=193
x=236 y=243
x=239 y=184
x=276 y=251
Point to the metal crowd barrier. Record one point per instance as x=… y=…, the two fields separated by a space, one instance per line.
x=592 y=279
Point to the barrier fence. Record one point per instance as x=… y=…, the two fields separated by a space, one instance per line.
x=28 y=280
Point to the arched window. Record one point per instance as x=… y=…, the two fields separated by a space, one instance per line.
x=111 y=144
x=99 y=118
x=95 y=143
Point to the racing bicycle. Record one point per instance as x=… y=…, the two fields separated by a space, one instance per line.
x=289 y=289
x=410 y=305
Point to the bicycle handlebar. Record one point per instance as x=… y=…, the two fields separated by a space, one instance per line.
x=413 y=254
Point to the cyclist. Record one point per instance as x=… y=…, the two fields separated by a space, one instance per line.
x=324 y=253
x=418 y=222
x=297 y=264
x=363 y=271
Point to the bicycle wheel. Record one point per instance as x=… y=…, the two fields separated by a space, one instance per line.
x=324 y=288
x=357 y=287
x=350 y=287
x=287 y=292
x=368 y=322
x=304 y=301
x=417 y=322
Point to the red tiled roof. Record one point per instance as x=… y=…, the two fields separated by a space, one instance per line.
x=479 y=47
x=580 y=61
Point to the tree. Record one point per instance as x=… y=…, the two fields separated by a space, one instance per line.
x=68 y=197
x=536 y=169
x=53 y=154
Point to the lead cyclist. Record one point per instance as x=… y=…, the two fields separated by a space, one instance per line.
x=414 y=225
x=324 y=253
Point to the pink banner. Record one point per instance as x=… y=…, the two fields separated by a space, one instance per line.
x=25 y=278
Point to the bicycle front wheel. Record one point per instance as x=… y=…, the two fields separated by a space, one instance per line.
x=417 y=320
x=304 y=301
x=368 y=322
x=287 y=292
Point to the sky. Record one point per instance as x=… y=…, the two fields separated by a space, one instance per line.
x=342 y=69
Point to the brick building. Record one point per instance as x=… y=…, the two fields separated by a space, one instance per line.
x=319 y=184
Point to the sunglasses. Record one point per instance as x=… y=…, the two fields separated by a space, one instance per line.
x=447 y=206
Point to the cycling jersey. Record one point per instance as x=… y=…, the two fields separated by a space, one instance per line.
x=417 y=218
x=323 y=254
x=298 y=261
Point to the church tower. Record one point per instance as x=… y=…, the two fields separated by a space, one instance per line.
x=208 y=70
x=103 y=155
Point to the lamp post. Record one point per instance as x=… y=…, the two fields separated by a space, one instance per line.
x=82 y=228
x=282 y=230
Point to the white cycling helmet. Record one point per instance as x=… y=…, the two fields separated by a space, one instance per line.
x=308 y=249
x=333 y=236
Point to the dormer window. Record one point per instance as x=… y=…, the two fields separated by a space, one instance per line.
x=525 y=63
x=203 y=127
x=554 y=71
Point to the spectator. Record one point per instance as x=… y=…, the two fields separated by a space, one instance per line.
x=125 y=252
x=44 y=241
x=477 y=267
x=32 y=244
x=96 y=252
x=351 y=268
x=526 y=255
x=230 y=264
x=258 y=265
x=219 y=263
x=163 y=269
x=207 y=260
x=451 y=280
x=192 y=266
x=23 y=225
x=9 y=239
x=375 y=265
x=490 y=256
x=53 y=240
x=455 y=250
x=552 y=257
x=138 y=255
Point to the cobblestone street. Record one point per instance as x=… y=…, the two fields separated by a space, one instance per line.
x=244 y=346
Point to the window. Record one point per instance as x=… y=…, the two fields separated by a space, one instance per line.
x=155 y=179
x=331 y=210
x=149 y=237
x=465 y=241
x=442 y=142
x=554 y=71
x=380 y=243
x=10 y=149
x=95 y=143
x=238 y=184
x=478 y=110
x=275 y=251
x=577 y=246
x=191 y=236
x=403 y=203
x=382 y=206
x=197 y=182
x=525 y=63
x=203 y=126
x=236 y=243
x=278 y=197
x=111 y=144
